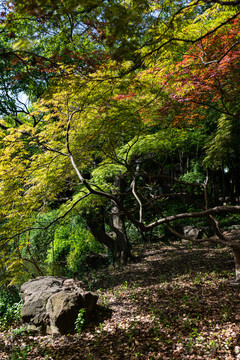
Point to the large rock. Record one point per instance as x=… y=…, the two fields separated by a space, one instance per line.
x=196 y=233
x=51 y=304
x=192 y=232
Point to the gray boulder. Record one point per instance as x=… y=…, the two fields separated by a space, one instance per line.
x=196 y=233
x=193 y=232
x=51 y=304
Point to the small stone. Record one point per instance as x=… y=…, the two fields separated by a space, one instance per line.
x=237 y=350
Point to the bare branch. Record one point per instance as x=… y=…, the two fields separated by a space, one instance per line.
x=220 y=2
x=190 y=238
x=215 y=210
x=190 y=41
x=133 y=187
x=52 y=222
x=171 y=22
x=222 y=57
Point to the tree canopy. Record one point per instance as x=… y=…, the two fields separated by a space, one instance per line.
x=120 y=114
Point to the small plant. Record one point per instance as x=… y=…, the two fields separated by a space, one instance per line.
x=105 y=300
x=212 y=346
x=198 y=279
x=90 y=357
x=18 y=332
x=186 y=299
x=80 y=321
x=100 y=327
x=20 y=353
x=226 y=313
x=124 y=286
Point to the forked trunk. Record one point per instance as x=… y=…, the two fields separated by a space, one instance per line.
x=97 y=229
x=118 y=244
x=122 y=247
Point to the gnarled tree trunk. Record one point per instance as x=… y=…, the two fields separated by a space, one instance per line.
x=122 y=246
x=96 y=227
x=118 y=245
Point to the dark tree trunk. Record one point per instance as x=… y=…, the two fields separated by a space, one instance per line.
x=236 y=183
x=236 y=254
x=122 y=246
x=96 y=227
x=118 y=245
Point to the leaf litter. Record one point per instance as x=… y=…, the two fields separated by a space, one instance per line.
x=173 y=302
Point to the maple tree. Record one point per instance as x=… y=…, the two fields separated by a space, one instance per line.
x=112 y=114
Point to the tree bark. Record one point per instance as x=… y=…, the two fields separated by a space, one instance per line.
x=96 y=227
x=122 y=246
x=236 y=254
x=118 y=245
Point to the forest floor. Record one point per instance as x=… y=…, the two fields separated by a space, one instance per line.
x=174 y=302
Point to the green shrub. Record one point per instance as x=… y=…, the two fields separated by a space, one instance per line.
x=228 y=220
x=10 y=308
x=72 y=241
x=61 y=249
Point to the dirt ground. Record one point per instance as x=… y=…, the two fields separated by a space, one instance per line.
x=175 y=302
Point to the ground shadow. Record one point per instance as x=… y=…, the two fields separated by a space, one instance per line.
x=159 y=263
